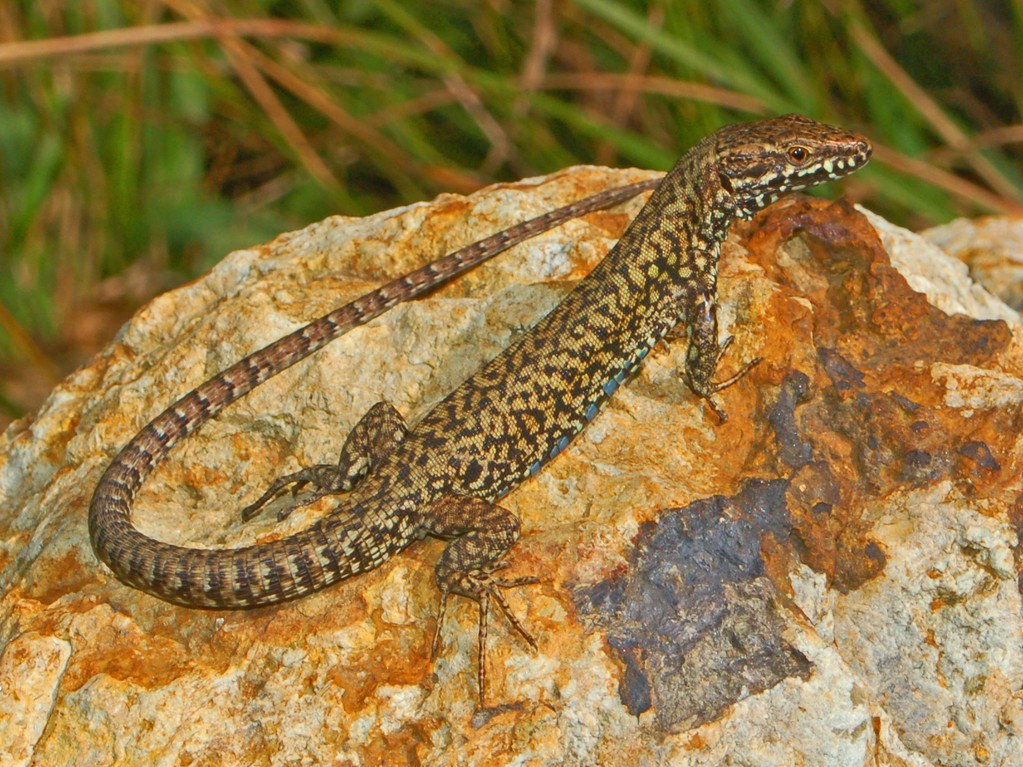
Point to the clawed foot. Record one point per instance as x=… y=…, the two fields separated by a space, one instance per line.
x=707 y=391
x=704 y=354
x=482 y=586
x=715 y=388
x=323 y=476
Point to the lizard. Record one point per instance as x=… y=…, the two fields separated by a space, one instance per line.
x=444 y=476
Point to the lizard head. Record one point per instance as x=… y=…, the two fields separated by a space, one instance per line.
x=759 y=161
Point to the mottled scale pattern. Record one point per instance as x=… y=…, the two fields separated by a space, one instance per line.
x=515 y=414
x=202 y=578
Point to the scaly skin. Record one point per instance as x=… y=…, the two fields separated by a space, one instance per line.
x=443 y=476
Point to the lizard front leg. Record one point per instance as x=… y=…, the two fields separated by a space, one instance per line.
x=481 y=533
x=376 y=434
x=704 y=353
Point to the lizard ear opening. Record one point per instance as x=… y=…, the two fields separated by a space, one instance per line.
x=726 y=182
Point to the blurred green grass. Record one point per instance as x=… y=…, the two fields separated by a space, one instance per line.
x=141 y=141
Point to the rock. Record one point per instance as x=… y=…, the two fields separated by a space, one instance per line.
x=831 y=577
x=992 y=249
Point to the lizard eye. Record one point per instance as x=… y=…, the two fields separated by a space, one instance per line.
x=798 y=154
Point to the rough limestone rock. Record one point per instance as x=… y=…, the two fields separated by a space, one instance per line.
x=832 y=577
x=992 y=248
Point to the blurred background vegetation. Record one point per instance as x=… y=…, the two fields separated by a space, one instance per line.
x=141 y=140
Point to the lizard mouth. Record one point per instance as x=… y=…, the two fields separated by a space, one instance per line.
x=856 y=155
x=859 y=155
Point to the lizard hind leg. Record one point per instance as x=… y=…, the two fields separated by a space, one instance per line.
x=376 y=434
x=481 y=533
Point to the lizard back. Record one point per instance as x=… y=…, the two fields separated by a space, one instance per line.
x=519 y=410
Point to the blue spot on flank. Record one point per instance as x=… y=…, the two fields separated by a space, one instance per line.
x=611 y=387
x=534 y=468
x=562 y=444
x=591 y=412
